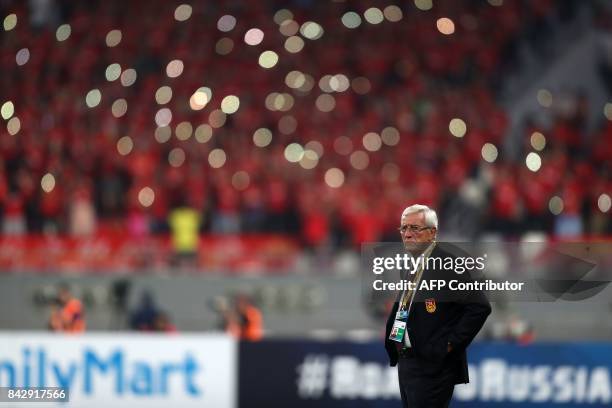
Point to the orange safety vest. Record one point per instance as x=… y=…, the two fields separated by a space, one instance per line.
x=72 y=317
x=253 y=329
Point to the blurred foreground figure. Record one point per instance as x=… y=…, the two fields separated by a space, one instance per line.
x=143 y=317
x=184 y=226
x=67 y=315
x=250 y=319
x=228 y=320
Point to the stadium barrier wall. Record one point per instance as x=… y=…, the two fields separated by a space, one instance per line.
x=183 y=370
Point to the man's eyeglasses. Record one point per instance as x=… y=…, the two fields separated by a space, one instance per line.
x=412 y=228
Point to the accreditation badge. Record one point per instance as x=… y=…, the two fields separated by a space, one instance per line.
x=398 y=330
x=401 y=315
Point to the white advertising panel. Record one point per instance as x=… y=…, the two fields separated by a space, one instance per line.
x=123 y=369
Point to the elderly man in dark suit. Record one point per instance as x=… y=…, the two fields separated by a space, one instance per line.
x=435 y=326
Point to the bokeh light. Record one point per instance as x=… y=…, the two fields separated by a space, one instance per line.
x=315 y=147
x=604 y=203
x=390 y=136
x=538 y=141
x=324 y=83
x=533 y=161
x=183 y=12
x=325 y=103
x=262 y=137
x=163 y=117
x=289 y=28
x=311 y=30
x=282 y=15
x=146 y=196
x=555 y=205
x=119 y=108
x=13 y=126
x=63 y=32
x=230 y=104
x=374 y=15
x=393 y=13
x=224 y=46
x=423 y=5
x=279 y=102
x=457 y=127
x=359 y=160
x=254 y=36
x=174 y=68
x=113 y=72
x=22 y=57
x=241 y=180
x=307 y=86
x=183 y=131
x=217 y=118
x=7 y=110
x=10 y=22
x=217 y=158
x=226 y=23
x=163 y=95
x=294 y=79
x=294 y=152
x=200 y=98
x=309 y=160
x=113 y=38
x=268 y=59
x=445 y=25
x=128 y=77
x=203 y=133
x=339 y=83
x=294 y=44
x=93 y=98
x=372 y=141
x=608 y=111
x=350 y=19
x=163 y=134
x=176 y=157
x=545 y=98
x=334 y=177
x=47 y=182
x=489 y=152
x=125 y=145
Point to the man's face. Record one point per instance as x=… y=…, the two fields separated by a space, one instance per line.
x=416 y=236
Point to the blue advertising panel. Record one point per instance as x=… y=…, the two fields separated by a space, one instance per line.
x=538 y=375
x=348 y=374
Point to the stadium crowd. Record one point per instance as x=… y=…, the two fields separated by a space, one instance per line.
x=327 y=145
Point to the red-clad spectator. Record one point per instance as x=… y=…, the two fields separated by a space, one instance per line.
x=14 y=222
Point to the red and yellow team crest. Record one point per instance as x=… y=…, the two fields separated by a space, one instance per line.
x=430 y=305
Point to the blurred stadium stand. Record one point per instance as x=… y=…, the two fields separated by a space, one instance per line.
x=137 y=143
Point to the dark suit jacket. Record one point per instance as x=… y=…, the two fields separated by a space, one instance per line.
x=456 y=319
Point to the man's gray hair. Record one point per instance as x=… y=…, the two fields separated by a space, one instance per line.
x=431 y=218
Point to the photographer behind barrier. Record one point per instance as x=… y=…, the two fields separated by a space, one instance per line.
x=427 y=338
